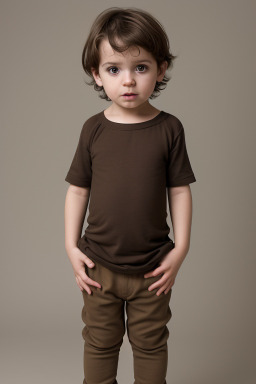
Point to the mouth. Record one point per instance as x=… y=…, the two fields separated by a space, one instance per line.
x=129 y=96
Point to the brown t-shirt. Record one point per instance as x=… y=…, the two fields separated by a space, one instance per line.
x=128 y=168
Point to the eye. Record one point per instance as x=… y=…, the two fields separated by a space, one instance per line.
x=142 y=66
x=110 y=68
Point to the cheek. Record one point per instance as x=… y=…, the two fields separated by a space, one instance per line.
x=149 y=81
x=150 y=85
x=111 y=85
x=110 y=89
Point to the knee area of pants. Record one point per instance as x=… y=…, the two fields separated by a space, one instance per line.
x=105 y=347
x=103 y=343
x=149 y=340
x=148 y=350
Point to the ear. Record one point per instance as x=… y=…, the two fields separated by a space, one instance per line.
x=96 y=77
x=162 y=70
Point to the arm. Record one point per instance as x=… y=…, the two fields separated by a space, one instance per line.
x=75 y=209
x=180 y=203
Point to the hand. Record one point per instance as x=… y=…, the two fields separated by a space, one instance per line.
x=78 y=259
x=169 y=267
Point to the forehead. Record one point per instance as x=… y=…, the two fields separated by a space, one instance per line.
x=133 y=53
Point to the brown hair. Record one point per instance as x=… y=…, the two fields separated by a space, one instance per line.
x=134 y=27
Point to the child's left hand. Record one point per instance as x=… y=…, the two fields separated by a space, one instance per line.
x=168 y=268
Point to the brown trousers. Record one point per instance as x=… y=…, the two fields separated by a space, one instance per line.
x=104 y=318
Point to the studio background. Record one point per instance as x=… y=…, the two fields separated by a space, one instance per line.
x=44 y=103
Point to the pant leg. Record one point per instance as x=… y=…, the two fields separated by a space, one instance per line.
x=147 y=316
x=103 y=315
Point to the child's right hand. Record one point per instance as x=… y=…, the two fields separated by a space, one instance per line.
x=78 y=259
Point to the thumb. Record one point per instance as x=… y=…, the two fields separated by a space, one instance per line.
x=88 y=262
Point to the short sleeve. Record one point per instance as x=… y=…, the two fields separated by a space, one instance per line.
x=80 y=171
x=179 y=170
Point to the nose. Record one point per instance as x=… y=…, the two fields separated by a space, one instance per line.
x=128 y=79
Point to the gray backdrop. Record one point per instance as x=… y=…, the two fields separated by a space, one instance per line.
x=44 y=103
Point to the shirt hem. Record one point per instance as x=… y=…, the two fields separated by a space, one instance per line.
x=128 y=269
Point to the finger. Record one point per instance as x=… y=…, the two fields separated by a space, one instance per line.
x=89 y=281
x=88 y=262
x=84 y=285
x=158 y=283
x=158 y=271
x=170 y=286
x=81 y=288
x=154 y=273
x=149 y=274
x=161 y=290
x=92 y=282
x=168 y=289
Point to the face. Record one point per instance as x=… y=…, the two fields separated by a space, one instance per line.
x=131 y=71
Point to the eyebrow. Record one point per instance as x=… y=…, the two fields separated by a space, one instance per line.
x=137 y=61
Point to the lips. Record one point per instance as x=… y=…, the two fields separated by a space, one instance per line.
x=129 y=96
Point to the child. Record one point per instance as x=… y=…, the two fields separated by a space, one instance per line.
x=128 y=158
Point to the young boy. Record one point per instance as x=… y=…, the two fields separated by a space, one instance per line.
x=129 y=157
